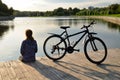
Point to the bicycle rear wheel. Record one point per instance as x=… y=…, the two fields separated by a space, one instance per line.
x=95 y=50
x=54 y=47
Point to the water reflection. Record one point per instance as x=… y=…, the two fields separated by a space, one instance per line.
x=5 y=26
x=110 y=26
x=67 y=21
x=70 y=21
x=114 y=26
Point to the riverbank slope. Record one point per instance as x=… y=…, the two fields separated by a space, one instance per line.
x=115 y=20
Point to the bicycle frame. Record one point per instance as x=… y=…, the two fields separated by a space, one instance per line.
x=86 y=31
x=68 y=36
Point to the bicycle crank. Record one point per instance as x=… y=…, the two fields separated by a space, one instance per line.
x=70 y=49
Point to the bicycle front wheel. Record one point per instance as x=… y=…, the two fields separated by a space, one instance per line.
x=95 y=50
x=54 y=47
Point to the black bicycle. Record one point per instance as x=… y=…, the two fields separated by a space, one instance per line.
x=56 y=46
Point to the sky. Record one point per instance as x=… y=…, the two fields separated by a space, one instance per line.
x=49 y=5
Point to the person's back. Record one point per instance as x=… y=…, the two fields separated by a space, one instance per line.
x=28 y=48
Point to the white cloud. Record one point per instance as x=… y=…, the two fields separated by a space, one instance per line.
x=23 y=4
x=44 y=5
x=84 y=4
x=65 y=1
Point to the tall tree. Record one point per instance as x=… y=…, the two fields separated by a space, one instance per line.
x=114 y=8
x=59 y=11
x=70 y=11
x=75 y=10
x=4 y=10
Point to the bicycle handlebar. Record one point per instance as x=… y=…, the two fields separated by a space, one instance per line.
x=93 y=22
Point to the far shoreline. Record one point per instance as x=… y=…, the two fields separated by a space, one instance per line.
x=6 y=18
x=111 y=19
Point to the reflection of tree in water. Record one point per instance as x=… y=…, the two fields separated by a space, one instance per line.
x=77 y=21
x=113 y=26
x=68 y=22
x=4 y=27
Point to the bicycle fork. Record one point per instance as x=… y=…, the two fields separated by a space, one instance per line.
x=93 y=45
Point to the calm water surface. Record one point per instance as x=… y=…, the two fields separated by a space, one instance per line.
x=12 y=33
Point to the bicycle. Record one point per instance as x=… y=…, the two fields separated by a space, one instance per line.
x=55 y=46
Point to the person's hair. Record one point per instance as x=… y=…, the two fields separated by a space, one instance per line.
x=29 y=34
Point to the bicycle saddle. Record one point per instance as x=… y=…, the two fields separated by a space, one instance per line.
x=64 y=27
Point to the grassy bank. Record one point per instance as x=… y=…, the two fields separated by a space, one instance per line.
x=115 y=18
x=109 y=15
x=114 y=15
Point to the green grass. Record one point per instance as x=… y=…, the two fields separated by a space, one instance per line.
x=114 y=15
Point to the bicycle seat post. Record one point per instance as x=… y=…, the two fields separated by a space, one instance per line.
x=66 y=33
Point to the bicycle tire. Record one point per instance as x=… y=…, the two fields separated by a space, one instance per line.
x=90 y=54
x=52 y=40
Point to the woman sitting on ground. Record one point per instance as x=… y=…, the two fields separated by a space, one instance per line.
x=28 y=48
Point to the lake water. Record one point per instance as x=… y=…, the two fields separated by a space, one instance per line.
x=12 y=33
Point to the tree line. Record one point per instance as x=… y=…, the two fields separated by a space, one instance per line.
x=4 y=10
x=56 y=12
x=111 y=9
